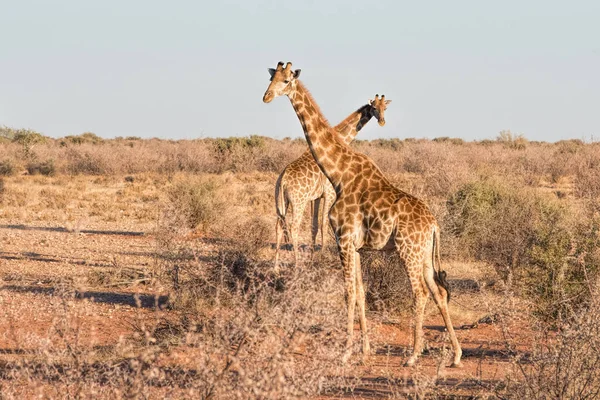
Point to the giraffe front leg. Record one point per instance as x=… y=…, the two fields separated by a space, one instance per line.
x=360 y=303
x=347 y=254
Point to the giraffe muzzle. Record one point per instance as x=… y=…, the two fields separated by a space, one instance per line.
x=268 y=97
x=381 y=122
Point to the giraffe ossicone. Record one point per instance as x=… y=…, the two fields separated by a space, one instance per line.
x=370 y=213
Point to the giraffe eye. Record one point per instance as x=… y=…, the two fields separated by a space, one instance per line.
x=286 y=82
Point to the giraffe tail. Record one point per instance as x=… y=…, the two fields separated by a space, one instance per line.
x=439 y=275
x=281 y=207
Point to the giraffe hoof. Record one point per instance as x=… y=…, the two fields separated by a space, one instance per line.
x=345 y=357
x=366 y=347
x=456 y=365
x=410 y=362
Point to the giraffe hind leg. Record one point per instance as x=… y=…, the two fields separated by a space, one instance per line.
x=360 y=304
x=328 y=200
x=347 y=256
x=420 y=297
x=298 y=208
x=315 y=206
x=279 y=232
x=438 y=286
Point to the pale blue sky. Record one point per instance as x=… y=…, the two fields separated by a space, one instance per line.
x=185 y=69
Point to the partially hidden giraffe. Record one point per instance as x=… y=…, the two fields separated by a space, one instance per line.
x=302 y=181
x=370 y=213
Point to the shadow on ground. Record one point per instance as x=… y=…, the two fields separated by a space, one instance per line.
x=126 y=299
x=62 y=229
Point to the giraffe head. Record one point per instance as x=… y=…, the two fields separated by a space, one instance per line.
x=379 y=105
x=283 y=81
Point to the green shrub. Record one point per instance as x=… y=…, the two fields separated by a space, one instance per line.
x=6 y=132
x=223 y=145
x=240 y=154
x=530 y=239
x=27 y=139
x=87 y=137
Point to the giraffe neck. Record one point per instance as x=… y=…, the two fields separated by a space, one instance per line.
x=349 y=128
x=322 y=139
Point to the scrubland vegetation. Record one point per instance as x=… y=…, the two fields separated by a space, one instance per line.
x=520 y=241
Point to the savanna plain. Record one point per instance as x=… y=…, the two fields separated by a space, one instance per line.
x=143 y=268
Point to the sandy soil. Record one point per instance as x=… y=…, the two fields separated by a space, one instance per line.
x=43 y=257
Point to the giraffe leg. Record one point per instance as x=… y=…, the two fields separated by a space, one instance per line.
x=360 y=303
x=279 y=227
x=347 y=254
x=439 y=295
x=299 y=208
x=315 y=207
x=420 y=297
x=328 y=200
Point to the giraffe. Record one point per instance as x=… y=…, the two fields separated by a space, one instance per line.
x=370 y=213
x=302 y=181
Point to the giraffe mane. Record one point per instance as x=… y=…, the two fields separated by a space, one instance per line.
x=343 y=124
x=314 y=103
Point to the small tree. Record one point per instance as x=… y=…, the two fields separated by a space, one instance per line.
x=28 y=139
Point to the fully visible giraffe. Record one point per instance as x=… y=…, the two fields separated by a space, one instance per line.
x=302 y=181
x=370 y=213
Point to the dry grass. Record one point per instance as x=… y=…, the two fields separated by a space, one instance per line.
x=96 y=233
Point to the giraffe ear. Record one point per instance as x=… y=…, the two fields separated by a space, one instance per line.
x=388 y=101
x=296 y=73
x=271 y=72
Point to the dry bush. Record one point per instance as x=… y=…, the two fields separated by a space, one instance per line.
x=438 y=167
x=254 y=153
x=195 y=203
x=258 y=334
x=446 y=139
x=7 y=168
x=91 y=155
x=512 y=140
x=41 y=168
x=386 y=282
x=64 y=364
x=587 y=175
x=87 y=163
x=562 y=364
